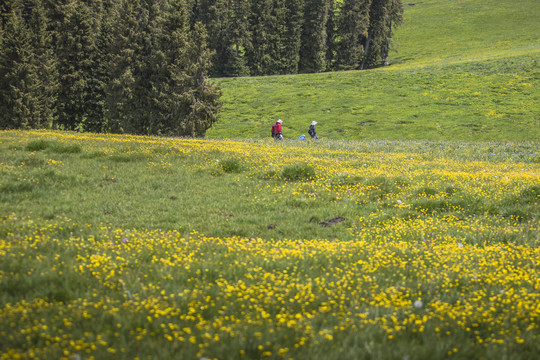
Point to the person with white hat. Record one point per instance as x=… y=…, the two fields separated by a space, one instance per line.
x=312 y=130
x=277 y=131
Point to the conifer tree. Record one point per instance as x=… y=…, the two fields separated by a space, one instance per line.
x=260 y=20
x=135 y=67
x=314 y=36
x=21 y=105
x=158 y=71
x=275 y=36
x=276 y=32
x=331 y=35
x=176 y=27
x=94 y=119
x=75 y=50
x=240 y=37
x=383 y=15
x=217 y=17
x=55 y=13
x=199 y=99
x=394 y=19
x=226 y=24
x=16 y=76
x=189 y=102
x=121 y=51
x=142 y=66
x=44 y=63
x=5 y=11
x=352 y=25
x=294 y=21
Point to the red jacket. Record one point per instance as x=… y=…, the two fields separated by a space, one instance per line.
x=278 y=128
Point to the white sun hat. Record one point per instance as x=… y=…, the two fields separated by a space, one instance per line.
x=313 y=123
x=280 y=121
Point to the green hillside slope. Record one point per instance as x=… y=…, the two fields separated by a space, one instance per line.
x=460 y=70
x=441 y=32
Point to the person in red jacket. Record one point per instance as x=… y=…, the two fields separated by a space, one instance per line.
x=277 y=131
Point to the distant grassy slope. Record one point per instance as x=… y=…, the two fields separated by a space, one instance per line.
x=442 y=31
x=463 y=70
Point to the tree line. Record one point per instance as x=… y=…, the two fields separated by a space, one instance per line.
x=143 y=66
x=270 y=37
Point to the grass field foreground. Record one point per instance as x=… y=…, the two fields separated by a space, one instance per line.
x=124 y=247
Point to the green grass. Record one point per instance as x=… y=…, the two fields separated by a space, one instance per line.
x=298 y=172
x=374 y=242
x=446 y=32
x=217 y=192
x=134 y=247
x=462 y=70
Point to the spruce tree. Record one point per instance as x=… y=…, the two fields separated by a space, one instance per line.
x=20 y=104
x=217 y=16
x=314 y=36
x=44 y=63
x=227 y=28
x=394 y=19
x=98 y=79
x=121 y=51
x=158 y=71
x=331 y=36
x=5 y=11
x=294 y=21
x=55 y=13
x=275 y=36
x=276 y=32
x=383 y=15
x=240 y=37
x=189 y=104
x=75 y=50
x=135 y=67
x=258 y=53
x=199 y=103
x=175 y=35
x=352 y=25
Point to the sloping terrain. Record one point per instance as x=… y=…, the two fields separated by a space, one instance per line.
x=459 y=70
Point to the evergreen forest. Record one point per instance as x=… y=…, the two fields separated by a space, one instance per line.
x=144 y=66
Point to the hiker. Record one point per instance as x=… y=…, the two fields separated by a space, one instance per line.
x=276 y=130
x=312 y=130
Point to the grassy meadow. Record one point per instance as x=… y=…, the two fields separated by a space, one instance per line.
x=409 y=231
x=124 y=247
x=462 y=70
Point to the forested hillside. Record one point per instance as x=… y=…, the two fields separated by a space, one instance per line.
x=142 y=66
x=113 y=66
x=269 y=37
